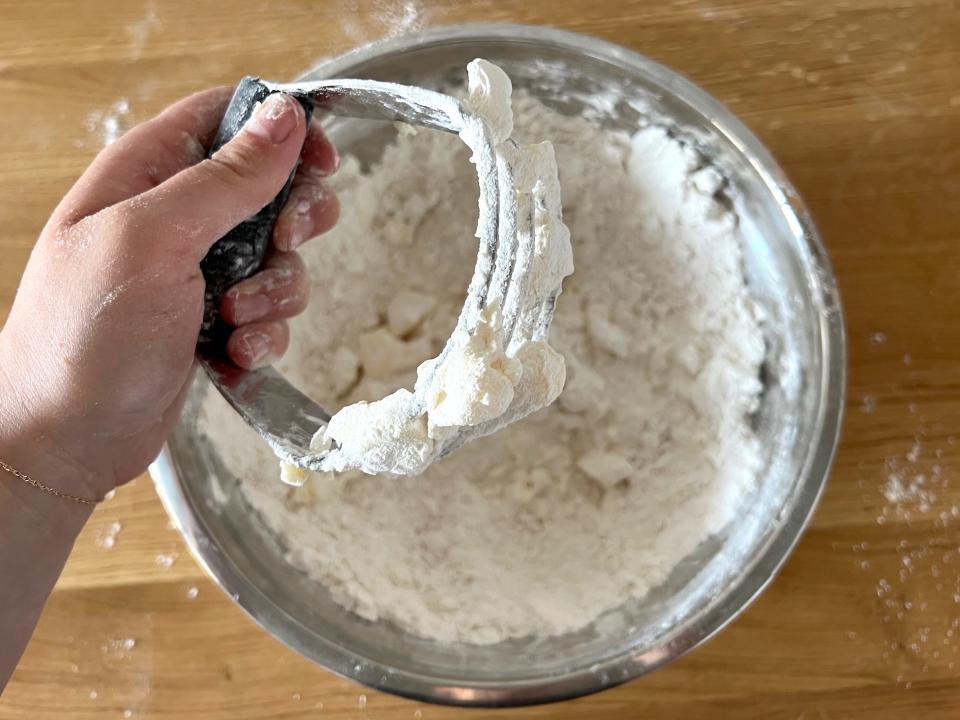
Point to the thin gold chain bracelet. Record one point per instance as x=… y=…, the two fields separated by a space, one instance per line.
x=46 y=488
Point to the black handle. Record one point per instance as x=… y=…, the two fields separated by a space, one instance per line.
x=239 y=253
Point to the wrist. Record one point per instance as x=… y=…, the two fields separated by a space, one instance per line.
x=57 y=515
x=26 y=447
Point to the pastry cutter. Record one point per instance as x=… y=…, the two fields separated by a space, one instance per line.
x=284 y=416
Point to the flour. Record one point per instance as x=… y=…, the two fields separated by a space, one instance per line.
x=110 y=124
x=540 y=528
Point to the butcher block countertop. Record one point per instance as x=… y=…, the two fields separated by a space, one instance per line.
x=860 y=102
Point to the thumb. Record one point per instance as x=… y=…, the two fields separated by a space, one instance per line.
x=200 y=204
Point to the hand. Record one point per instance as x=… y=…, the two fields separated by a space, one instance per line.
x=97 y=353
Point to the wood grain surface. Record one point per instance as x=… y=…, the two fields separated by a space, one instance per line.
x=860 y=102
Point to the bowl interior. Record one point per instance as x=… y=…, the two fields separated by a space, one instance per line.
x=796 y=421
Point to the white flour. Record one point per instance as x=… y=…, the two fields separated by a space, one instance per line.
x=537 y=529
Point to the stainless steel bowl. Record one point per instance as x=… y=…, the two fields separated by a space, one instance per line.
x=790 y=277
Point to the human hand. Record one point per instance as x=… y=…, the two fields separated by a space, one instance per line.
x=97 y=353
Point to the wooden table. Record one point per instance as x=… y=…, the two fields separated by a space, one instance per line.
x=859 y=100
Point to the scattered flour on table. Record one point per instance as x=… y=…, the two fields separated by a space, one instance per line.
x=165 y=561
x=912 y=556
x=111 y=123
x=139 y=32
x=540 y=528
x=107 y=535
x=383 y=19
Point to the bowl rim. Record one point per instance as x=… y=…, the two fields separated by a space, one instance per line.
x=626 y=665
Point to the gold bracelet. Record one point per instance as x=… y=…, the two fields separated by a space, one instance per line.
x=46 y=488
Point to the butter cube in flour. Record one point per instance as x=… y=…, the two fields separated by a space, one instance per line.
x=407 y=310
x=606 y=468
x=383 y=354
x=344 y=369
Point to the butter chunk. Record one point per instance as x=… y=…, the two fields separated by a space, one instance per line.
x=407 y=310
x=344 y=370
x=605 y=334
x=606 y=468
x=383 y=354
x=293 y=475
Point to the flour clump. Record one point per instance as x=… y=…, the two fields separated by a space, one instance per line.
x=479 y=383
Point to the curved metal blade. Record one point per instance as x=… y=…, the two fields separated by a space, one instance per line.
x=282 y=415
x=370 y=100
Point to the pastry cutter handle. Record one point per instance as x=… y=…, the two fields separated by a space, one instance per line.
x=239 y=253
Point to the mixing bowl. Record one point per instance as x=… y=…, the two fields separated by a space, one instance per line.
x=789 y=276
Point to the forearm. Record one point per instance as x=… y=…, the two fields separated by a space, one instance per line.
x=37 y=531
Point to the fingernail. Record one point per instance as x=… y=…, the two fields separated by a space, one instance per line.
x=257 y=347
x=301 y=229
x=249 y=307
x=334 y=161
x=336 y=158
x=275 y=119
